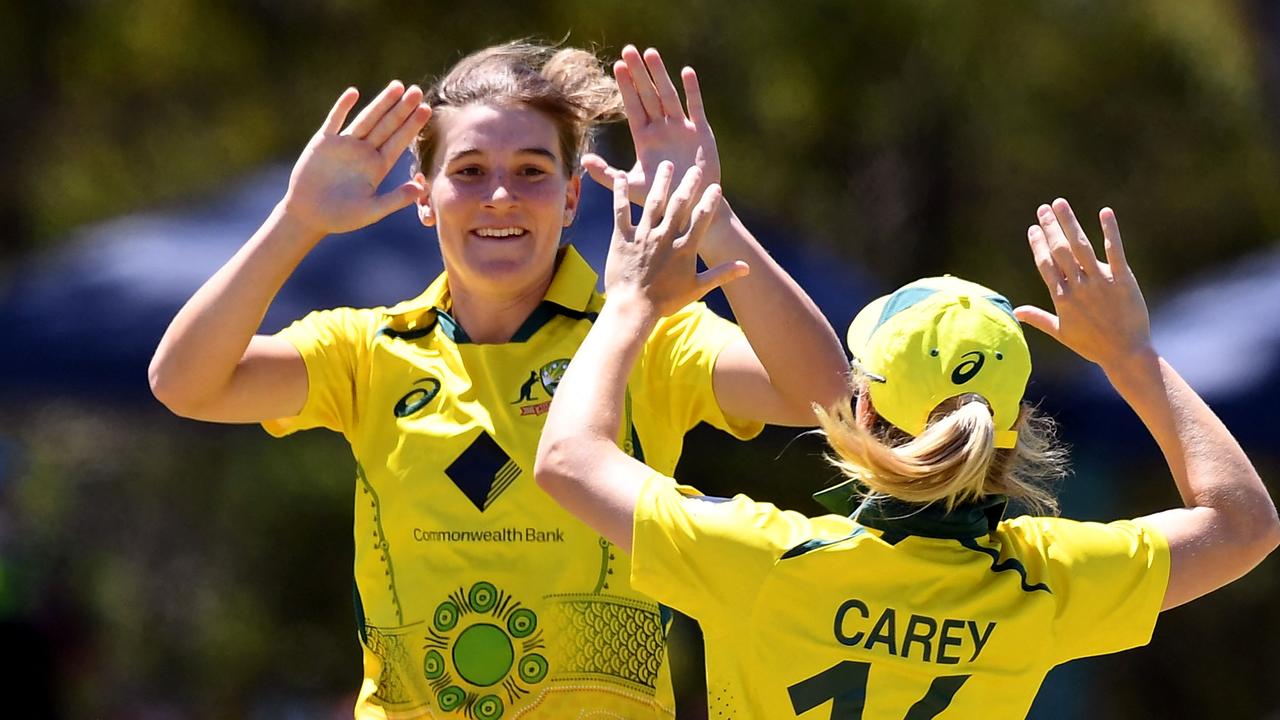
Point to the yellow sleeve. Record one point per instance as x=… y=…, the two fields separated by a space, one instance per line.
x=1109 y=581
x=704 y=555
x=333 y=344
x=680 y=358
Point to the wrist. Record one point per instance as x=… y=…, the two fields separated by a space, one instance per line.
x=288 y=223
x=631 y=312
x=1137 y=364
x=723 y=237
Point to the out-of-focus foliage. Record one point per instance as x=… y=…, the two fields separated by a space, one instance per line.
x=202 y=571
x=912 y=136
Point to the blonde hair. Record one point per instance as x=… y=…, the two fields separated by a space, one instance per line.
x=954 y=460
x=567 y=85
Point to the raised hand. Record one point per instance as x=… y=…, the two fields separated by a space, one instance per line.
x=334 y=185
x=1100 y=312
x=655 y=261
x=661 y=128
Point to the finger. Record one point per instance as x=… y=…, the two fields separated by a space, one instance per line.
x=622 y=206
x=338 y=113
x=721 y=275
x=643 y=83
x=655 y=206
x=395 y=117
x=392 y=201
x=1059 y=247
x=1049 y=271
x=599 y=170
x=374 y=111
x=1081 y=248
x=666 y=90
x=1111 y=240
x=405 y=134
x=693 y=96
x=1042 y=320
x=680 y=206
x=703 y=214
x=637 y=119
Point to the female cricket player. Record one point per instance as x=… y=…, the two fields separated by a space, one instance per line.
x=476 y=595
x=920 y=601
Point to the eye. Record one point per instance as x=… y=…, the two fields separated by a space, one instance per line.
x=469 y=171
x=532 y=171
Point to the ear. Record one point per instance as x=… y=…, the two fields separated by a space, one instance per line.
x=864 y=411
x=426 y=214
x=572 y=194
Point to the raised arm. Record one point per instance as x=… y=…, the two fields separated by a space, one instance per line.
x=654 y=273
x=1228 y=523
x=762 y=378
x=210 y=365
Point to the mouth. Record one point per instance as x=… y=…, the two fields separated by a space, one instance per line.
x=507 y=232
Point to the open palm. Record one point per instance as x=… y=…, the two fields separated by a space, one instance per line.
x=334 y=184
x=1099 y=311
x=661 y=129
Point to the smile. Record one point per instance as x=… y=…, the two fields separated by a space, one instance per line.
x=500 y=232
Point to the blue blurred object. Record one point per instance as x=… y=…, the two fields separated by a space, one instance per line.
x=1221 y=331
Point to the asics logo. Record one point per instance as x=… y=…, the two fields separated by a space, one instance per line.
x=966 y=370
x=417 y=398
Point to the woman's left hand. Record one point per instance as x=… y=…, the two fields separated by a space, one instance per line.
x=661 y=128
x=655 y=262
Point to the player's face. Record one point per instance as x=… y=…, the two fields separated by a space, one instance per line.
x=499 y=198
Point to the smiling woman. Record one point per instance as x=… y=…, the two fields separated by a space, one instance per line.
x=476 y=595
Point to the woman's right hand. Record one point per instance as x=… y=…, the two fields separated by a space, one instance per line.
x=1099 y=311
x=334 y=185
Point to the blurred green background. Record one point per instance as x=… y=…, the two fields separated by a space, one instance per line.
x=159 y=568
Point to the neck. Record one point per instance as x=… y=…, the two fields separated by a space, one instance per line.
x=491 y=318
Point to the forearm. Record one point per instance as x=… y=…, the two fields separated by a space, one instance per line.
x=1209 y=467
x=200 y=350
x=590 y=398
x=788 y=333
x=579 y=462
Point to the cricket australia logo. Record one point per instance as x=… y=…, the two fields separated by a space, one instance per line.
x=549 y=376
x=483 y=471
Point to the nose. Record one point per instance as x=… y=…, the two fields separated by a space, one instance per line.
x=501 y=193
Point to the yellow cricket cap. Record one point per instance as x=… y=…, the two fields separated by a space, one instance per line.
x=937 y=338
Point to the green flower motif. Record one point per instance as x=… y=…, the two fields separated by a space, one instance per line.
x=433 y=665
x=483 y=595
x=481 y=638
x=488 y=707
x=521 y=623
x=451 y=698
x=446 y=616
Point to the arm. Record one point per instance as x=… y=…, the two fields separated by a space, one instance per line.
x=1228 y=523
x=762 y=378
x=654 y=273
x=210 y=365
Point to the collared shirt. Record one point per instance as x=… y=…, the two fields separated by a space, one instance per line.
x=480 y=597
x=907 y=613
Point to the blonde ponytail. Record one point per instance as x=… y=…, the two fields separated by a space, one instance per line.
x=953 y=461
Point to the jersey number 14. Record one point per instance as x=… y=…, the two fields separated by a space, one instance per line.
x=846 y=685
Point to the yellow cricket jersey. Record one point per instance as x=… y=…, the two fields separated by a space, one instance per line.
x=907 y=614
x=478 y=596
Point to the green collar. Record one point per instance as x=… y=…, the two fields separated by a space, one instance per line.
x=572 y=287
x=932 y=520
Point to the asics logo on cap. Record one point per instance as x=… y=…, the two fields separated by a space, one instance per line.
x=968 y=369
